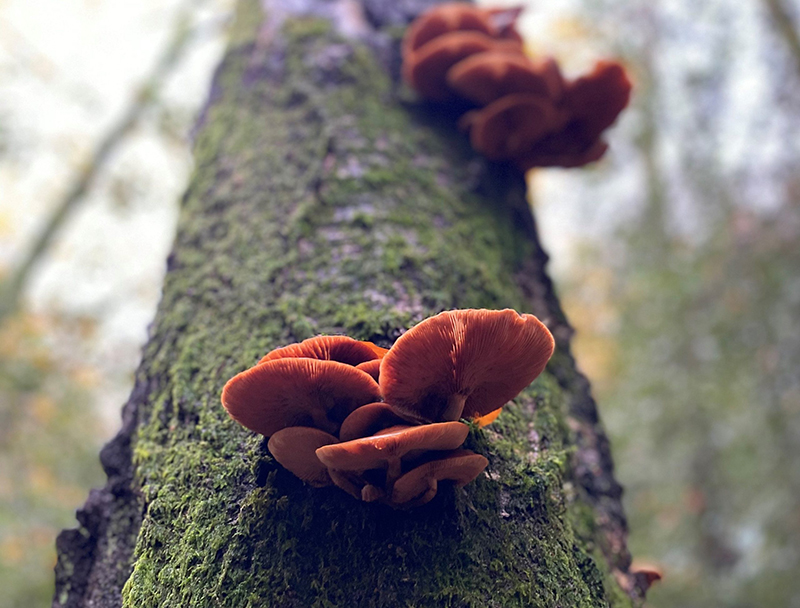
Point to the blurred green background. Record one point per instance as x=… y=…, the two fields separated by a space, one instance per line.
x=676 y=258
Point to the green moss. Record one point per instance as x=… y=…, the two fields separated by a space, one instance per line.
x=319 y=205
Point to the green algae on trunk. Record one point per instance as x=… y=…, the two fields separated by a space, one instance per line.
x=325 y=200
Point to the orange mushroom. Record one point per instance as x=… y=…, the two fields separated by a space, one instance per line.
x=464 y=363
x=420 y=484
x=443 y=19
x=486 y=420
x=368 y=420
x=329 y=348
x=294 y=448
x=373 y=368
x=512 y=125
x=297 y=392
x=646 y=574
x=386 y=449
x=486 y=77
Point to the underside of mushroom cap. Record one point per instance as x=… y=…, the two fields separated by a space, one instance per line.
x=464 y=363
x=420 y=484
x=488 y=76
x=329 y=348
x=368 y=420
x=294 y=448
x=297 y=392
x=378 y=450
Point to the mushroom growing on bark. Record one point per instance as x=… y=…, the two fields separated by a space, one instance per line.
x=297 y=392
x=420 y=484
x=294 y=448
x=464 y=363
x=329 y=348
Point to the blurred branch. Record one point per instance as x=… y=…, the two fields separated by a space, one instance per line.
x=11 y=288
x=783 y=23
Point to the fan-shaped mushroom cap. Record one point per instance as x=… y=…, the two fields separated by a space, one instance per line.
x=445 y=18
x=368 y=420
x=512 y=125
x=294 y=447
x=329 y=348
x=464 y=362
x=373 y=368
x=297 y=392
x=486 y=77
x=426 y=68
x=595 y=100
x=392 y=444
x=486 y=420
x=419 y=485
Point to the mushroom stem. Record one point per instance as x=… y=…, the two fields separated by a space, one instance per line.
x=454 y=407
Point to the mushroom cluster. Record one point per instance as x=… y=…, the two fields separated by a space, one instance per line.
x=384 y=425
x=526 y=112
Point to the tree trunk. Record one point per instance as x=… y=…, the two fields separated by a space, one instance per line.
x=326 y=199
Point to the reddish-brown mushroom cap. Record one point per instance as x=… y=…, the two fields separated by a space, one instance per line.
x=297 y=392
x=512 y=125
x=368 y=420
x=445 y=18
x=329 y=348
x=486 y=77
x=294 y=448
x=464 y=362
x=373 y=368
x=378 y=451
x=595 y=100
x=646 y=573
x=419 y=485
x=426 y=68
x=560 y=150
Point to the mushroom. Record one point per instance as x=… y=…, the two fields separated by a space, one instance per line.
x=297 y=392
x=464 y=363
x=329 y=348
x=426 y=68
x=443 y=19
x=486 y=420
x=294 y=448
x=373 y=368
x=368 y=420
x=387 y=449
x=646 y=574
x=486 y=77
x=512 y=125
x=420 y=484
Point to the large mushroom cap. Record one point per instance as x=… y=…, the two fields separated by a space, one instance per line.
x=419 y=485
x=485 y=77
x=378 y=451
x=297 y=392
x=512 y=125
x=464 y=362
x=426 y=68
x=329 y=348
x=596 y=99
x=294 y=447
x=445 y=18
x=368 y=420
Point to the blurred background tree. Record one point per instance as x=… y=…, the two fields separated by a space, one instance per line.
x=676 y=257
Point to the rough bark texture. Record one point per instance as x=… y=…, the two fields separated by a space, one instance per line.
x=326 y=199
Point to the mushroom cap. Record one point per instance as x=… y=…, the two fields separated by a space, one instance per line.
x=486 y=420
x=294 y=448
x=482 y=357
x=445 y=18
x=297 y=392
x=559 y=150
x=595 y=100
x=376 y=451
x=486 y=77
x=420 y=484
x=511 y=125
x=426 y=68
x=368 y=420
x=329 y=348
x=373 y=368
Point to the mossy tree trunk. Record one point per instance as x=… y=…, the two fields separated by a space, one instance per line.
x=326 y=199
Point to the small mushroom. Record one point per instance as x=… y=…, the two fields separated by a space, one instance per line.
x=329 y=348
x=420 y=484
x=511 y=125
x=373 y=368
x=297 y=392
x=486 y=420
x=464 y=363
x=368 y=420
x=443 y=19
x=387 y=449
x=294 y=448
x=426 y=68
x=486 y=77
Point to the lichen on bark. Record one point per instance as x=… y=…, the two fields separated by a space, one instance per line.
x=326 y=200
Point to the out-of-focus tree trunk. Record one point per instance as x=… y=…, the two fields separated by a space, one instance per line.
x=326 y=200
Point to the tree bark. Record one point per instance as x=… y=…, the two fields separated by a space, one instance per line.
x=327 y=199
